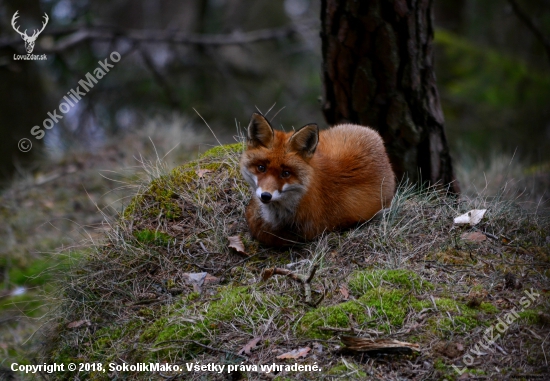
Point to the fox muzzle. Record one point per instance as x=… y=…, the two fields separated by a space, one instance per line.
x=265 y=197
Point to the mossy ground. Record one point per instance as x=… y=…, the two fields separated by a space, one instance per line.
x=407 y=276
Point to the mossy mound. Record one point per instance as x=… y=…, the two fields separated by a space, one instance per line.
x=165 y=287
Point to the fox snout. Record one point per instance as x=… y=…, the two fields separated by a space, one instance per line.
x=265 y=197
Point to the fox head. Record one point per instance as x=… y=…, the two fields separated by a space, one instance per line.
x=276 y=165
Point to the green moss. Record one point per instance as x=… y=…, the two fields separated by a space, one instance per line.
x=222 y=151
x=332 y=316
x=488 y=308
x=444 y=371
x=361 y=281
x=389 y=294
x=153 y=237
x=160 y=198
x=152 y=330
x=390 y=305
x=529 y=316
x=440 y=365
x=451 y=305
x=457 y=317
x=478 y=372
x=230 y=303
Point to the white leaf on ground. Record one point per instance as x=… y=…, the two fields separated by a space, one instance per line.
x=472 y=217
x=196 y=280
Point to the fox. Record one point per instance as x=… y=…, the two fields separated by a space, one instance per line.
x=308 y=182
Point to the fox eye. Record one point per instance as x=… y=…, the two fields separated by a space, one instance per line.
x=285 y=174
x=261 y=168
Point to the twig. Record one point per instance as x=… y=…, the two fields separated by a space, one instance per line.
x=305 y=280
x=531 y=25
x=492 y=236
x=336 y=329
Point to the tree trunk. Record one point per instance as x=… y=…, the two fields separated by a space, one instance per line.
x=378 y=71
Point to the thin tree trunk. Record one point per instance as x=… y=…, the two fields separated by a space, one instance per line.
x=378 y=71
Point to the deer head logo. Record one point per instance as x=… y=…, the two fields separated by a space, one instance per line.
x=29 y=40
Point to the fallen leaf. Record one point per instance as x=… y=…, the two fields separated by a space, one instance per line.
x=79 y=323
x=191 y=277
x=198 y=279
x=473 y=237
x=295 y=354
x=267 y=273
x=345 y=292
x=236 y=243
x=202 y=172
x=472 y=217
x=249 y=346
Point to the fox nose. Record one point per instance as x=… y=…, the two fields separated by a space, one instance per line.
x=265 y=197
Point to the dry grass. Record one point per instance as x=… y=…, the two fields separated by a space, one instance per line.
x=407 y=276
x=506 y=175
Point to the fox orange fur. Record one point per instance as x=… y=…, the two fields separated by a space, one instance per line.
x=308 y=182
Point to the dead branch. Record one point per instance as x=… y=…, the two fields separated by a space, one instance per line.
x=98 y=33
x=363 y=344
x=303 y=279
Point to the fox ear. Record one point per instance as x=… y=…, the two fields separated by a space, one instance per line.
x=304 y=141
x=260 y=131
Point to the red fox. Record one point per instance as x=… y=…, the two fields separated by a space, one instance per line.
x=308 y=182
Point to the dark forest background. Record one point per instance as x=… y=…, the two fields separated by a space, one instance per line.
x=492 y=67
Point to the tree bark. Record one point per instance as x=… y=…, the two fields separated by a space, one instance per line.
x=378 y=71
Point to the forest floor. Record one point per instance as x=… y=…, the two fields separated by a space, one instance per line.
x=174 y=278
